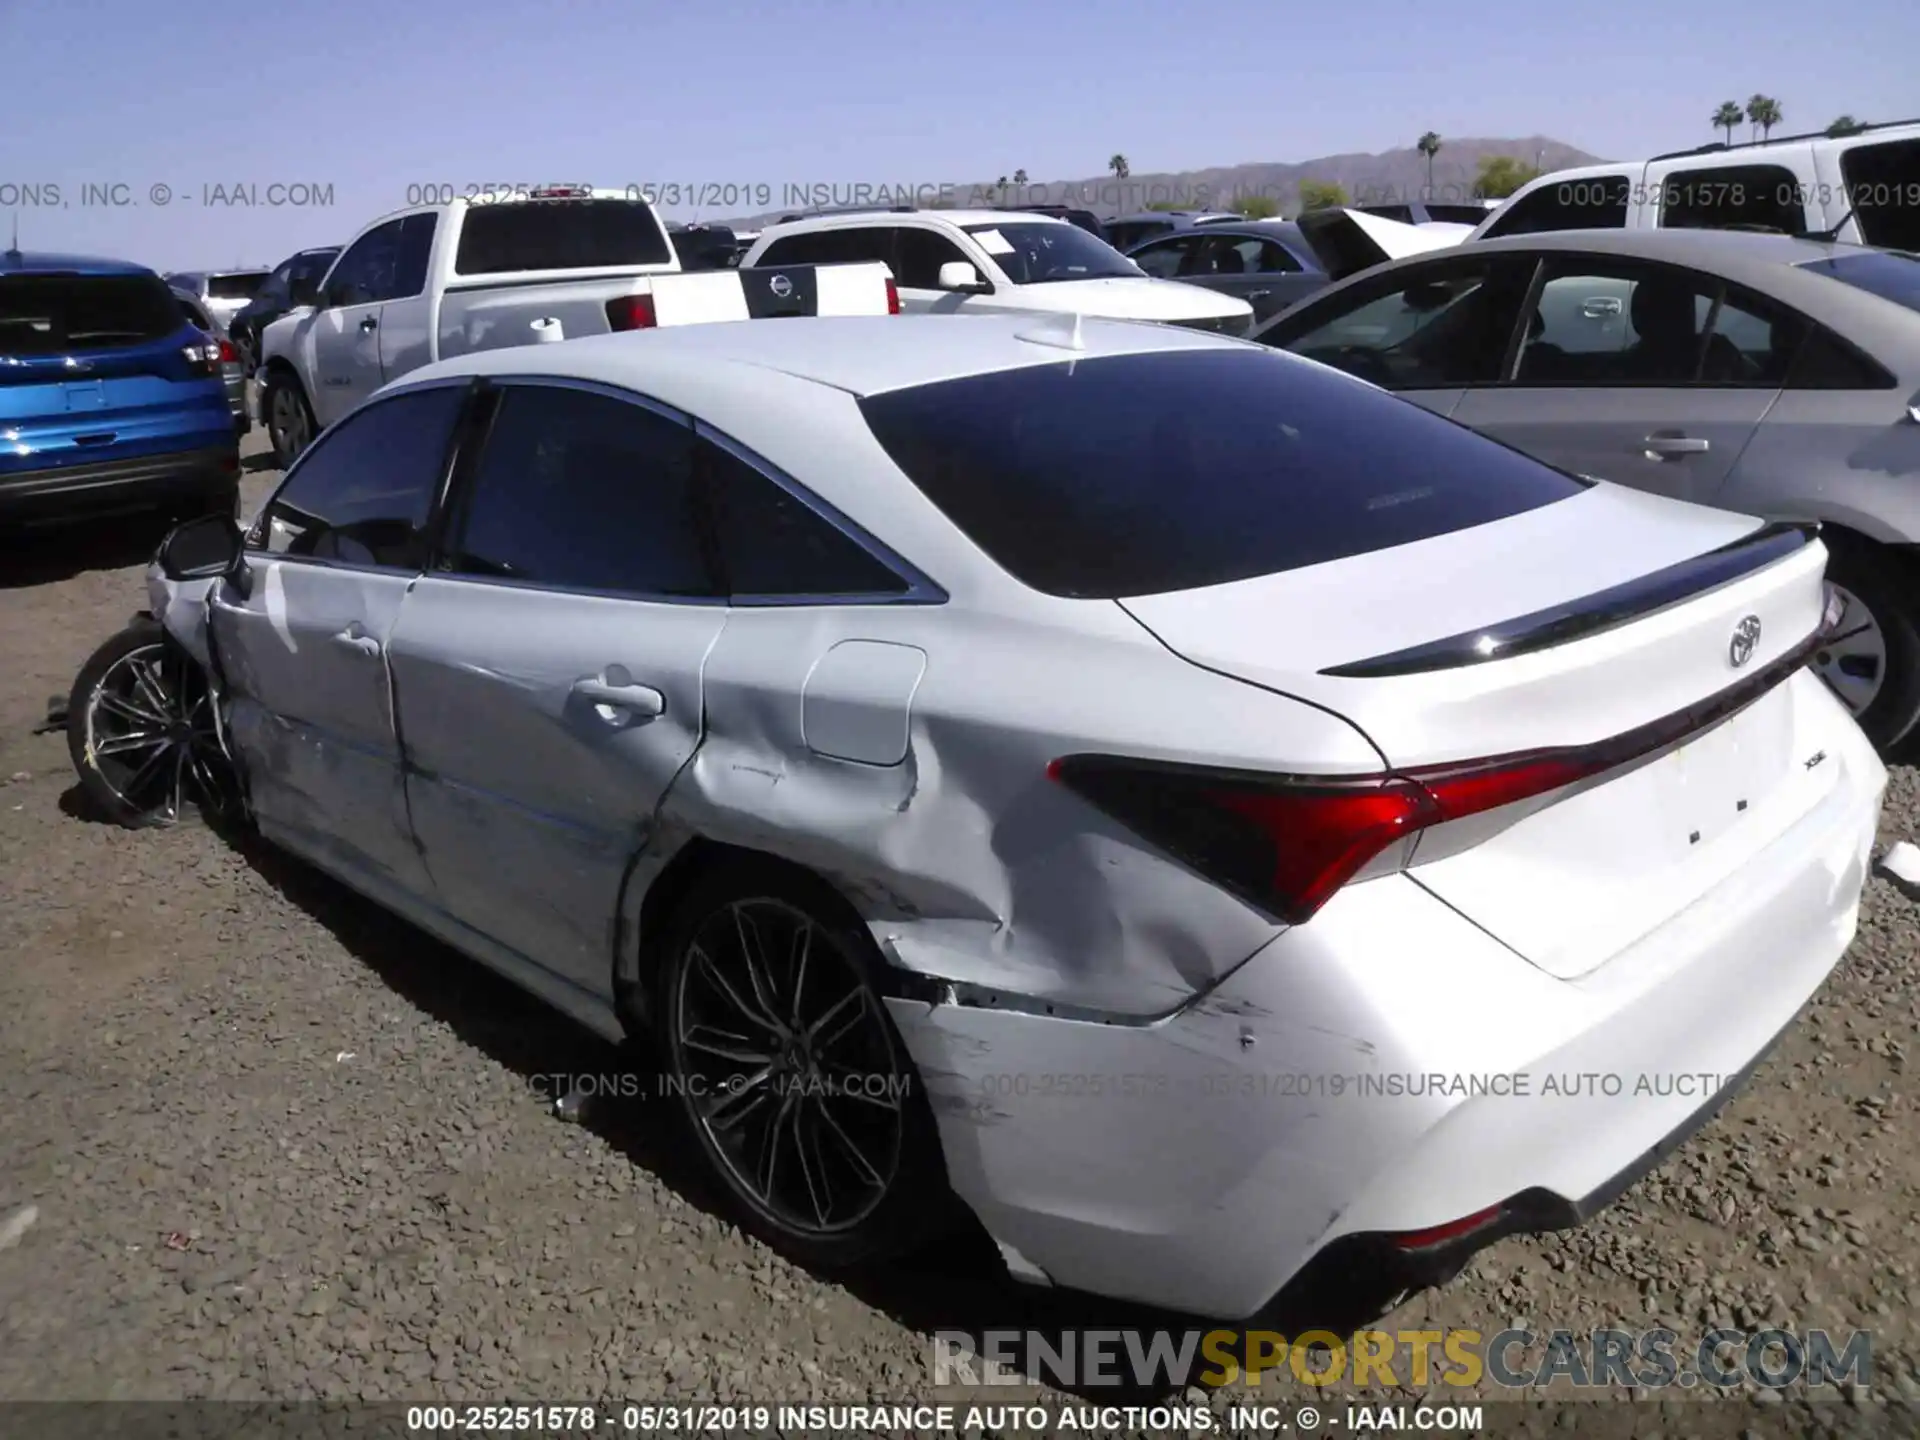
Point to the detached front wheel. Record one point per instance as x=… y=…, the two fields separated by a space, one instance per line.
x=143 y=732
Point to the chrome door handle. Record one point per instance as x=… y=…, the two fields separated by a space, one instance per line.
x=1258 y=294
x=354 y=639
x=637 y=702
x=1661 y=446
x=369 y=325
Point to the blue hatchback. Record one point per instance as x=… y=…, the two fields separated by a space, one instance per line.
x=110 y=400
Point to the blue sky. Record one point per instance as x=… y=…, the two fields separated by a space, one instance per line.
x=368 y=99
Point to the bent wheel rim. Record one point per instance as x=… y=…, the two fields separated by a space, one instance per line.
x=153 y=736
x=789 y=1066
x=1853 y=662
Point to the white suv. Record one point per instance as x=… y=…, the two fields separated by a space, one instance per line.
x=969 y=261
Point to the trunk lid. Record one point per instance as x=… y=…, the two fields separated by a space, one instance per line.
x=1609 y=614
x=1347 y=241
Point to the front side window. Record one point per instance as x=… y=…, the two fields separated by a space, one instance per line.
x=1037 y=252
x=918 y=255
x=363 y=493
x=582 y=491
x=772 y=545
x=1164 y=259
x=1434 y=327
x=1140 y=474
x=366 y=273
x=1597 y=202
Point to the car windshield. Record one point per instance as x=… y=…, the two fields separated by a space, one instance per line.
x=235 y=284
x=560 y=235
x=57 y=314
x=1035 y=252
x=1140 y=474
x=1891 y=274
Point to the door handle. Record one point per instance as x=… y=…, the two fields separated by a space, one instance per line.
x=1258 y=294
x=369 y=325
x=1665 y=445
x=1600 y=307
x=354 y=638
x=637 y=702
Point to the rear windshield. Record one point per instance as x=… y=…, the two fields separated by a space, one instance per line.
x=560 y=235
x=236 y=285
x=1889 y=274
x=1457 y=214
x=1139 y=474
x=1883 y=182
x=61 y=314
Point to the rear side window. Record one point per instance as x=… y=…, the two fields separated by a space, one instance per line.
x=582 y=491
x=1596 y=202
x=560 y=235
x=362 y=494
x=1139 y=474
x=1883 y=183
x=1826 y=362
x=236 y=285
x=831 y=247
x=773 y=545
x=1733 y=197
x=55 y=314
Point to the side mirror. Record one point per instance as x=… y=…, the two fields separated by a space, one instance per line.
x=958 y=275
x=202 y=549
x=304 y=290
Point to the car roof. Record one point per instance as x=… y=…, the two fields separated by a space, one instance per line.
x=1734 y=253
x=15 y=262
x=849 y=218
x=861 y=355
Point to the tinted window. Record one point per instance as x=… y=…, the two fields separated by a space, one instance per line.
x=363 y=493
x=773 y=544
x=1164 y=259
x=1241 y=255
x=52 y=314
x=367 y=271
x=1124 y=235
x=1433 y=327
x=1137 y=474
x=1600 y=324
x=1036 y=252
x=1890 y=275
x=1457 y=214
x=1597 y=203
x=1402 y=213
x=236 y=285
x=831 y=247
x=559 y=235
x=1826 y=362
x=1883 y=182
x=919 y=254
x=585 y=492
x=416 y=246
x=1725 y=197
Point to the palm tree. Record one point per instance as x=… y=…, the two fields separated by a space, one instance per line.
x=1844 y=126
x=1727 y=116
x=1118 y=165
x=1020 y=177
x=1429 y=146
x=1763 y=112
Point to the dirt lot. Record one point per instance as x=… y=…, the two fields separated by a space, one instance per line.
x=280 y=1145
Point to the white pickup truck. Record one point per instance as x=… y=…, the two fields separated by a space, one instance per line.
x=558 y=263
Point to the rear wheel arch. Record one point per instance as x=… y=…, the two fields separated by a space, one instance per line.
x=1883 y=577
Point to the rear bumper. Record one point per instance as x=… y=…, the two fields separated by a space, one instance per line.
x=109 y=486
x=1379 y=1074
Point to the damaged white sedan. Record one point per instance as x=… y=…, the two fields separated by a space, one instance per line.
x=1207 y=814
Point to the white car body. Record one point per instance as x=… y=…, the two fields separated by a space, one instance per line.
x=1145 y=1084
x=977 y=238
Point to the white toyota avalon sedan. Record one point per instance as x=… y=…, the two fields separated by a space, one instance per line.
x=1202 y=811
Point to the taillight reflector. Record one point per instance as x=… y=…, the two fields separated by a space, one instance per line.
x=1452 y=1230
x=632 y=312
x=893 y=298
x=228 y=355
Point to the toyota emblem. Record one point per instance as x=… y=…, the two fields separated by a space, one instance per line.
x=1746 y=639
x=781 y=286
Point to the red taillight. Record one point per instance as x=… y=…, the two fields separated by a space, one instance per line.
x=1289 y=843
x=228 y=355
x=1452 y=1230
x=893 y=298
x=632 y=312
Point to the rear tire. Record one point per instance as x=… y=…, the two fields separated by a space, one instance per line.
x=290 y=426
x=809 y=1113
x=1872 y=663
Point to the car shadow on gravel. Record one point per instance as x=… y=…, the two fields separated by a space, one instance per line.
x=958 y=1286
x=45 y=556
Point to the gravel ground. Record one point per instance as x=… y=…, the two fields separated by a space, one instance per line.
x=280 y=1145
